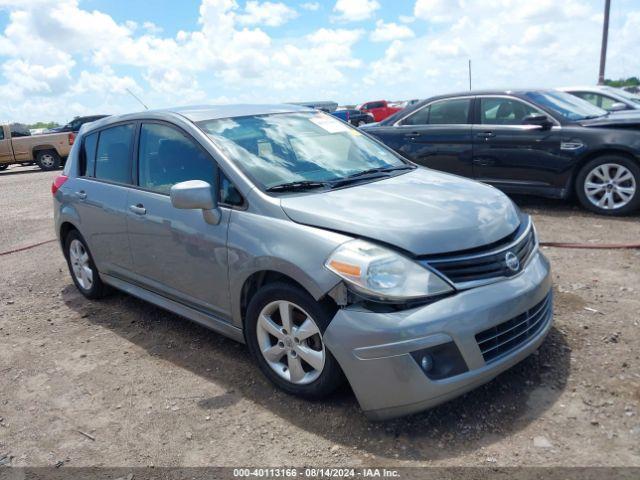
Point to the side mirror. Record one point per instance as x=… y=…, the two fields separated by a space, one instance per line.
x=617 y=106
x=196 y=194
x=539 y=120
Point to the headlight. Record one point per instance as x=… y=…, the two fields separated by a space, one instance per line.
x=382 y=273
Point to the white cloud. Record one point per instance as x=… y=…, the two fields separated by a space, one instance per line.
x=355 y=10
x=512 y=43
x=271 y=14
x=310 y=6
x=82 y=61
x=436 y=10
x=386 y=32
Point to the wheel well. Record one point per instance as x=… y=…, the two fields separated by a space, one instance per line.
x=43 y=148
x=65 y=228
x=259 y=279
x=594 y=155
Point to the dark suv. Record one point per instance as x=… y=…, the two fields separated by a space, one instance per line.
x=75 y=124
x=541 y=142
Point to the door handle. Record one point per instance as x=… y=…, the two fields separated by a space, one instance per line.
x=486 y=135
x=138 y=209
x=412 y=135
x=81 y=194
x=483 y=162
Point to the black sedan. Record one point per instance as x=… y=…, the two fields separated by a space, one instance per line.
x=541 y=142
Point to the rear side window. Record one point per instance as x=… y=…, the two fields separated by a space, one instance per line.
x=445 y=112
x=1 y=133
x=113 y=161
x=88 y=158
x=167 y=156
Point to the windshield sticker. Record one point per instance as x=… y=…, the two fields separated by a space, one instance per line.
x=329 y=124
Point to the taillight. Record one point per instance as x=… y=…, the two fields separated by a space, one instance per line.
x=58 y=182
x=72 y=138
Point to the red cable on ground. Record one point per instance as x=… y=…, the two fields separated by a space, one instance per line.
x=590 y=246
x=593 y=246
x=9 y=252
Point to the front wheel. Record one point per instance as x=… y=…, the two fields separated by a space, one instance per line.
x=48 y=160
x=285 y=328
x=609 y=185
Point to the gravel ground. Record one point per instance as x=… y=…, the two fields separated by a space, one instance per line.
x=149 y=388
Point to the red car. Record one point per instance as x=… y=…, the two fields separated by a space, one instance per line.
x=380 y=109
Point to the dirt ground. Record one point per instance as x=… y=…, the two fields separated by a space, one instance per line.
x=149 y=388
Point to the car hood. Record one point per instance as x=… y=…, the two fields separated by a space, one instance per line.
x=423 y=212
x=615 y=119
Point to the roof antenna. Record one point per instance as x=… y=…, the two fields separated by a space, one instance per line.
x=469 y=74
x=134 y=96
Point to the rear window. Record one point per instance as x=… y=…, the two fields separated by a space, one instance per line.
x=88 y=155
x=113 y=159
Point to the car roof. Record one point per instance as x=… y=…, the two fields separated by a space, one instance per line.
x=468 y=93
x=197 y=113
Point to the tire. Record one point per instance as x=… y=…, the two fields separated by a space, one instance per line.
x=48 y=160
x=314 y=384
x=74 y=245
x=598 y=179
x=4 y=166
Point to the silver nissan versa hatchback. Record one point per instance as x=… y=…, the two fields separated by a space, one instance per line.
x=325 y=252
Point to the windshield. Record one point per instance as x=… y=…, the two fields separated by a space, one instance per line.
x=624 y=94
x=566 y=105
x=282 y=148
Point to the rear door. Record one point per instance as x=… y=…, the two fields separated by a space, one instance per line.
x=101 y=196
x=509 y=153
x=175 y=252
x=438 y=136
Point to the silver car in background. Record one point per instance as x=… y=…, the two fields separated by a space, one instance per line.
x=324 y=251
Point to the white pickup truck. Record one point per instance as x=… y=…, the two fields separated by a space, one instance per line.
x=48 y=151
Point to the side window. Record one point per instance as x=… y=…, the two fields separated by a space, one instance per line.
x=375 y=105
x=113 y=161
x=19 y=130
x=167 y=156
x=445 y=112
x=505 y=111
x=606 y=102
x=88 y=155
x=229 y=195
x=1 y=133
x=450 y=112
x=421 y=117
x=589 y=97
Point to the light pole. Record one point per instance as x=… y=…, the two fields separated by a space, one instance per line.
x=605 y=37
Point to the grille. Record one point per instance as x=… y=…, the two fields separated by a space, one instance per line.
x=498 y=341
x=485 y=264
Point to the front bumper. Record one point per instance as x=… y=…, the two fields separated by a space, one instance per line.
x=374 y=349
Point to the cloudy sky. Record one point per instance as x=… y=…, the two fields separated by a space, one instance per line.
x=61 y=58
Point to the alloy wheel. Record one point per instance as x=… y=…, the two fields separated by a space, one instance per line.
x=47 y=160
x=610 y=186
x=79 y=258
x=290 y=342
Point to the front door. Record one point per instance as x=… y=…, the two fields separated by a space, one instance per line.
x=175 y=252
x=509 y=153
x=438 y=136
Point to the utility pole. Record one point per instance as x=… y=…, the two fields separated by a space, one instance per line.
x=605 y=37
